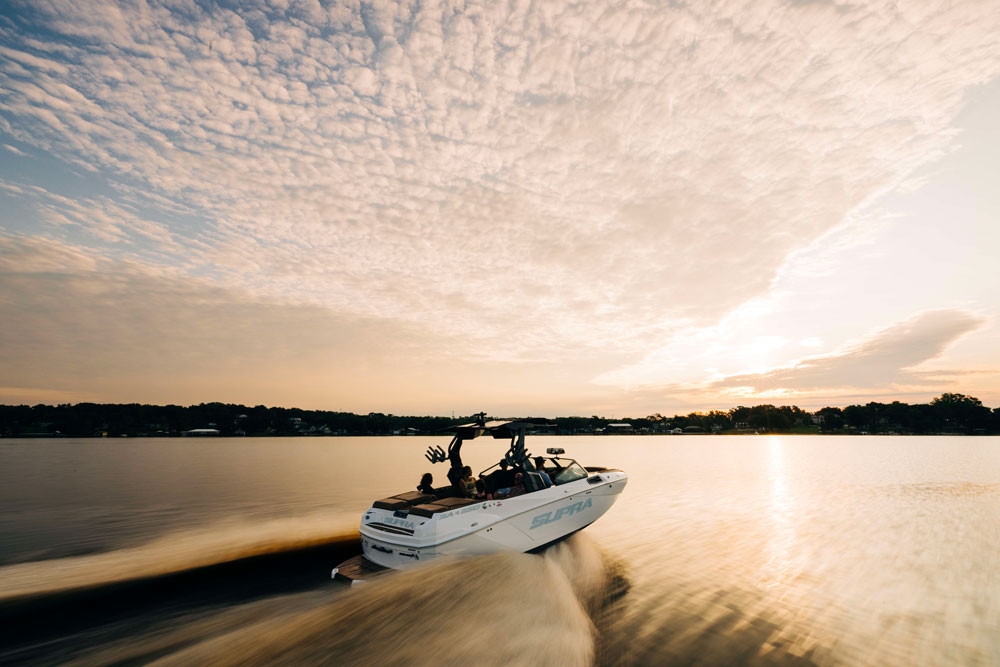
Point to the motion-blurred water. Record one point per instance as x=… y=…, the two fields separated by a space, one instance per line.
x=756 y=550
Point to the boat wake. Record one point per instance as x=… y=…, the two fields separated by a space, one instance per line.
x=175 y=553
x=504 y=608
x=58 y=607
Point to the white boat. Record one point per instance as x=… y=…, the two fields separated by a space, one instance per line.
x=412 y=528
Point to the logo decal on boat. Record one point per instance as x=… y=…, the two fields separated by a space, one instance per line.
x=549 y=517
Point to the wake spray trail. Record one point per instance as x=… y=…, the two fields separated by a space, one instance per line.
x=597 y=579
x=175 y=552
x=492 y=610
x=281 y=608
x=45 y=600
x=500 y=609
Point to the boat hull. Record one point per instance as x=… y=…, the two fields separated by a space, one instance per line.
x=523 y=523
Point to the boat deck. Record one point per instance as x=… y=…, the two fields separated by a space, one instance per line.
x=356 y=570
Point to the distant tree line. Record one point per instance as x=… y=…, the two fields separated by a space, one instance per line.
x=947 y=414
x=136 y=420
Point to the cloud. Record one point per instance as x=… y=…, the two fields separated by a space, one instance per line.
x=903 y=361
x=99 y=221
x=540 y=182
x=887 y=359
x=82 y=326
x=609 y=156
x=85 y=327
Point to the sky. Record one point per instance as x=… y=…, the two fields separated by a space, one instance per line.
x=535 y=208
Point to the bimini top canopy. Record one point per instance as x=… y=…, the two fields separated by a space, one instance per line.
x=506 y=428
x=513 y=429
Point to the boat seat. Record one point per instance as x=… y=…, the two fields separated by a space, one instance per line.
x=442 y=505
x=402 y=500
x=452 y=503
x=414 y=496
x=533 y=481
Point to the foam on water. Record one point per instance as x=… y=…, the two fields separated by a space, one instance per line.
x=221 y=542
x=505 y=608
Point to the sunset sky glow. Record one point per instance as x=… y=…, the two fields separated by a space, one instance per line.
x=528 y=208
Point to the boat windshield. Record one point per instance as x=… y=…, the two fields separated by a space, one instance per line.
x=561 y=470
x=564 y=470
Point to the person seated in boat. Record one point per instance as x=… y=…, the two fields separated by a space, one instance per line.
x=426 y=484
x=518 y=487
x=468 y=483
x=540 y=469
x=515 y=490
x=502 y=478
x=481 y=491
x=456 y=472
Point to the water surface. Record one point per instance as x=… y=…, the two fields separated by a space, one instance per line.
x=761 y=550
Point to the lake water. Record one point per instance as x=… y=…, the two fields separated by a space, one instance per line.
x=750 y=550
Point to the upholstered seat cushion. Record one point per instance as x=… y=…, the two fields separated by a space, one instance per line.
x=442 y=505
x=403 y=500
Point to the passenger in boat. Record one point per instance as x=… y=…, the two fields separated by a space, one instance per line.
x=481 y=491
x=518 y=487
x=515 y=490
x=500 y=479
x=457 y=470
x=426 y=484
x=468 y=483
x=540 y=469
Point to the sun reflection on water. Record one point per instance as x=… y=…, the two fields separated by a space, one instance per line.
x=779 y=568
